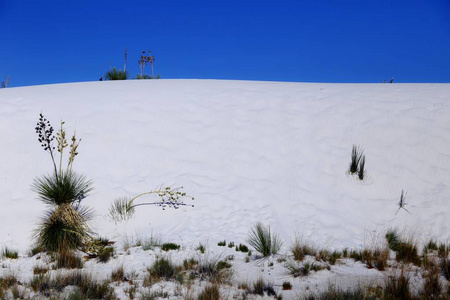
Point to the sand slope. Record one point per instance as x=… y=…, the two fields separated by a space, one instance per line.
x=247 y=151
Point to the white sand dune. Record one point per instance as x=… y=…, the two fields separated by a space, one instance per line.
x=247 y=151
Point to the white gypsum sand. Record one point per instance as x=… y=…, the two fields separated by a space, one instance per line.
x=247 y=151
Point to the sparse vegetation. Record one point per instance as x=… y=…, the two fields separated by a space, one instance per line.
x=397 y=287
x=118 y=275
x=300 y=249
x=68 y=260
x=406 y=251
x=261 y=287
x=170 y=246
x=222 y=243
x=116 y=74
x=105 y=254
x=263 y=241
x=242 y=248
x=163 y=268
x=200 y=248
x=9 y=253
x=210 y=292
x=287 y=286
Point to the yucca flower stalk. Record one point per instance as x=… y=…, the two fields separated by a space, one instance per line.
x=64 y=226
x=122 y=209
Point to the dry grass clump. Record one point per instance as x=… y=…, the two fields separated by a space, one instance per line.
x=9 y=253
x=68 y=260
x=300 y=249
x=397 y=287
x=210 y=292
x=304 y=268
x=405 y=250
x=163 y=269
x=213 y=269
x=118 y=275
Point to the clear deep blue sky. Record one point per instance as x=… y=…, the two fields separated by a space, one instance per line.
x=55 y=41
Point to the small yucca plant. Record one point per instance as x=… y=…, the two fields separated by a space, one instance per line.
x=263 y=241
x=64 y=226
x=355 y=159
x=116 y=74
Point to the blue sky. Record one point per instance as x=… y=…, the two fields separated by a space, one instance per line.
x=56 y=41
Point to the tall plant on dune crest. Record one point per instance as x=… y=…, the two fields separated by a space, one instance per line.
x=64 y=225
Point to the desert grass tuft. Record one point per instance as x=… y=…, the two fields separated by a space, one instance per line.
x=163 y=268
x=9 y=253
x=286 y=286
x=170 y=246
x=432 y=287
x=68 y=260
x=405 y=250
x=210 y=292
x=397 y=287
x=300 y=249
x=118 y=275
x=261 y=287
x=263 y=241
x=105 y=254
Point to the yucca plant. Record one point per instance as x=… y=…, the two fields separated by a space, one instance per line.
x=116 y=74
x=64 y=225
x=356 y=157
x=263 y=241
x=361 y=171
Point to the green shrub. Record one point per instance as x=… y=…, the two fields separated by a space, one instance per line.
x=287 y=286
x=170 y=246
x=222 y=243
x=116 y=74
x=242 y=248
x=263 y=241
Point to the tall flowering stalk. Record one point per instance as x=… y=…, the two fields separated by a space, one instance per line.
x=64 y=225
